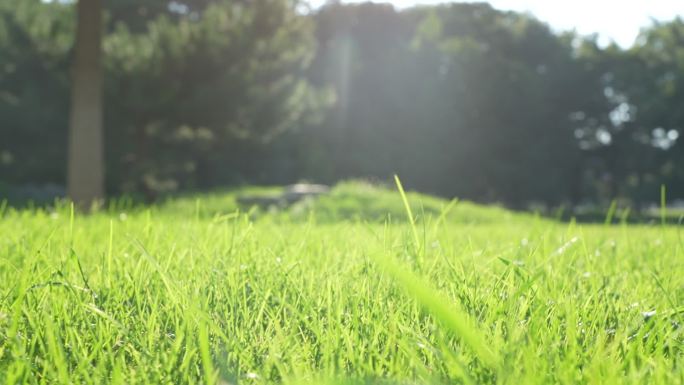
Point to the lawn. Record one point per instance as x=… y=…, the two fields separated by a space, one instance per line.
x=343 y=290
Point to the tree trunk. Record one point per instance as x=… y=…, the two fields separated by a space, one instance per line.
x=85 y=174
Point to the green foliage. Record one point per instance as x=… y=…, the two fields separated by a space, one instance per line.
x=156 y=296
x=439 y=91
x=460 y=99
x=186 y=96
x=35 y=41
x=189 y=92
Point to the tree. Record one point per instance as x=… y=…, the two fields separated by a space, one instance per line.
x=198 y=97
x=655 y=89
x=85 y=174
x=35 y=40
x=460 y=100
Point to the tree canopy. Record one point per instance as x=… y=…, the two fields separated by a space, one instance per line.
x=459 y=99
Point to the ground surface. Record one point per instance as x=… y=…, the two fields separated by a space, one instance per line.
x=191 y=291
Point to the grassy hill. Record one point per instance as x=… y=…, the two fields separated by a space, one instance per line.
x=347 y=201
x=194 y=291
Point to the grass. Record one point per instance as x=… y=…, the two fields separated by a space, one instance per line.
x=349 y=289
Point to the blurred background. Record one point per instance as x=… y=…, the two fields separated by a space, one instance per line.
x=524 y=103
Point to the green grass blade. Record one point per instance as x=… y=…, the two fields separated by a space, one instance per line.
x=610 y=213
x=450 y=314
x=663 y=205
x=412 y=220
x=205 y=353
